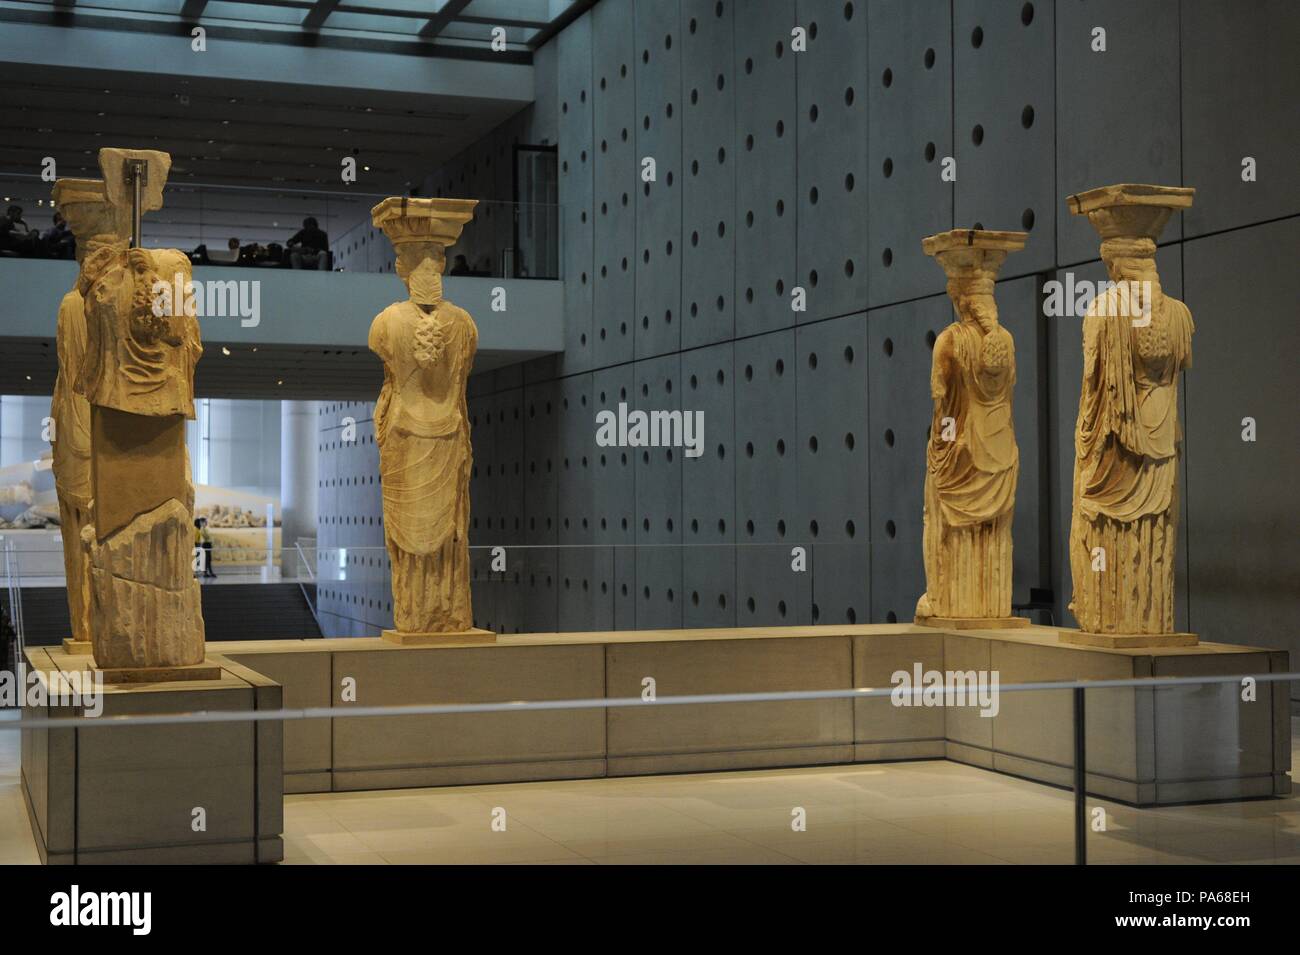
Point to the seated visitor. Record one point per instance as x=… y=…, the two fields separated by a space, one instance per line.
x=459 y=266
x=57 y=241
x=309 y=247
x=16 y=238
x=229 y=257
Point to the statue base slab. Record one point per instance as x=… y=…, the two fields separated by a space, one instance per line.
x=1135 y=734
x=77 y=648
x=1128 y=641
x=128 y=796
x=207 y=670
x=974 y=623
x=450 y=638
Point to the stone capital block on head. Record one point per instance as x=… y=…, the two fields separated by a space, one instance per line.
x=972 y=461
x=1127 y=440
x=113 y=162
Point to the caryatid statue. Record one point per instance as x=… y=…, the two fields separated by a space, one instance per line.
x=137 y=376
x=97 y=225
x=972 y=462
x=422 y=425
x=1136 y=342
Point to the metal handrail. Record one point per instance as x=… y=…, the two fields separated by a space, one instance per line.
x=14 y=584
x=297 y=545
x=302 y=556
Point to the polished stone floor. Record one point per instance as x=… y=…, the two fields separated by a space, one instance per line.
x=916 y=812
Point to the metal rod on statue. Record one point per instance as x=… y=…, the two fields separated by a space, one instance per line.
x=137 y=175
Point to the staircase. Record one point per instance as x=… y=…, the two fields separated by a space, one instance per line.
x=257 y=612
x=230 y=612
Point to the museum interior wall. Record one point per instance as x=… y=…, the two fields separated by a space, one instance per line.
x=820 y=169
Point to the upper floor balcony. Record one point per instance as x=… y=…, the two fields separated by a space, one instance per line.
x=281 y=318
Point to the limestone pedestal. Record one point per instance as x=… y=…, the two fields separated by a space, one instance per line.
x=207 y=670
x=77 y=648
x=129 y=794
x=1127 y=641
x=1145 y=745
x=974 y=623
x=452 y=638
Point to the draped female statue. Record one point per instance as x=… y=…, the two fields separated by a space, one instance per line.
x=137 y=375
x=97 y=225
x=422 y=424
x=972 y=459
x=1136 y=342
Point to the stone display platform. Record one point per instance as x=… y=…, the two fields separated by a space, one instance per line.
x=130 y=794
x=1146 y=746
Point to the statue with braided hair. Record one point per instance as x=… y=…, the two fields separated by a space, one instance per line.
x=422 y=425
x=972 y=459
x=1136 y=343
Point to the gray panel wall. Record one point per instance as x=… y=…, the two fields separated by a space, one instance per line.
x=828 y=456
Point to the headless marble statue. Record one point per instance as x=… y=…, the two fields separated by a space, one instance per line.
x=97 y=225
x=137 y=376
